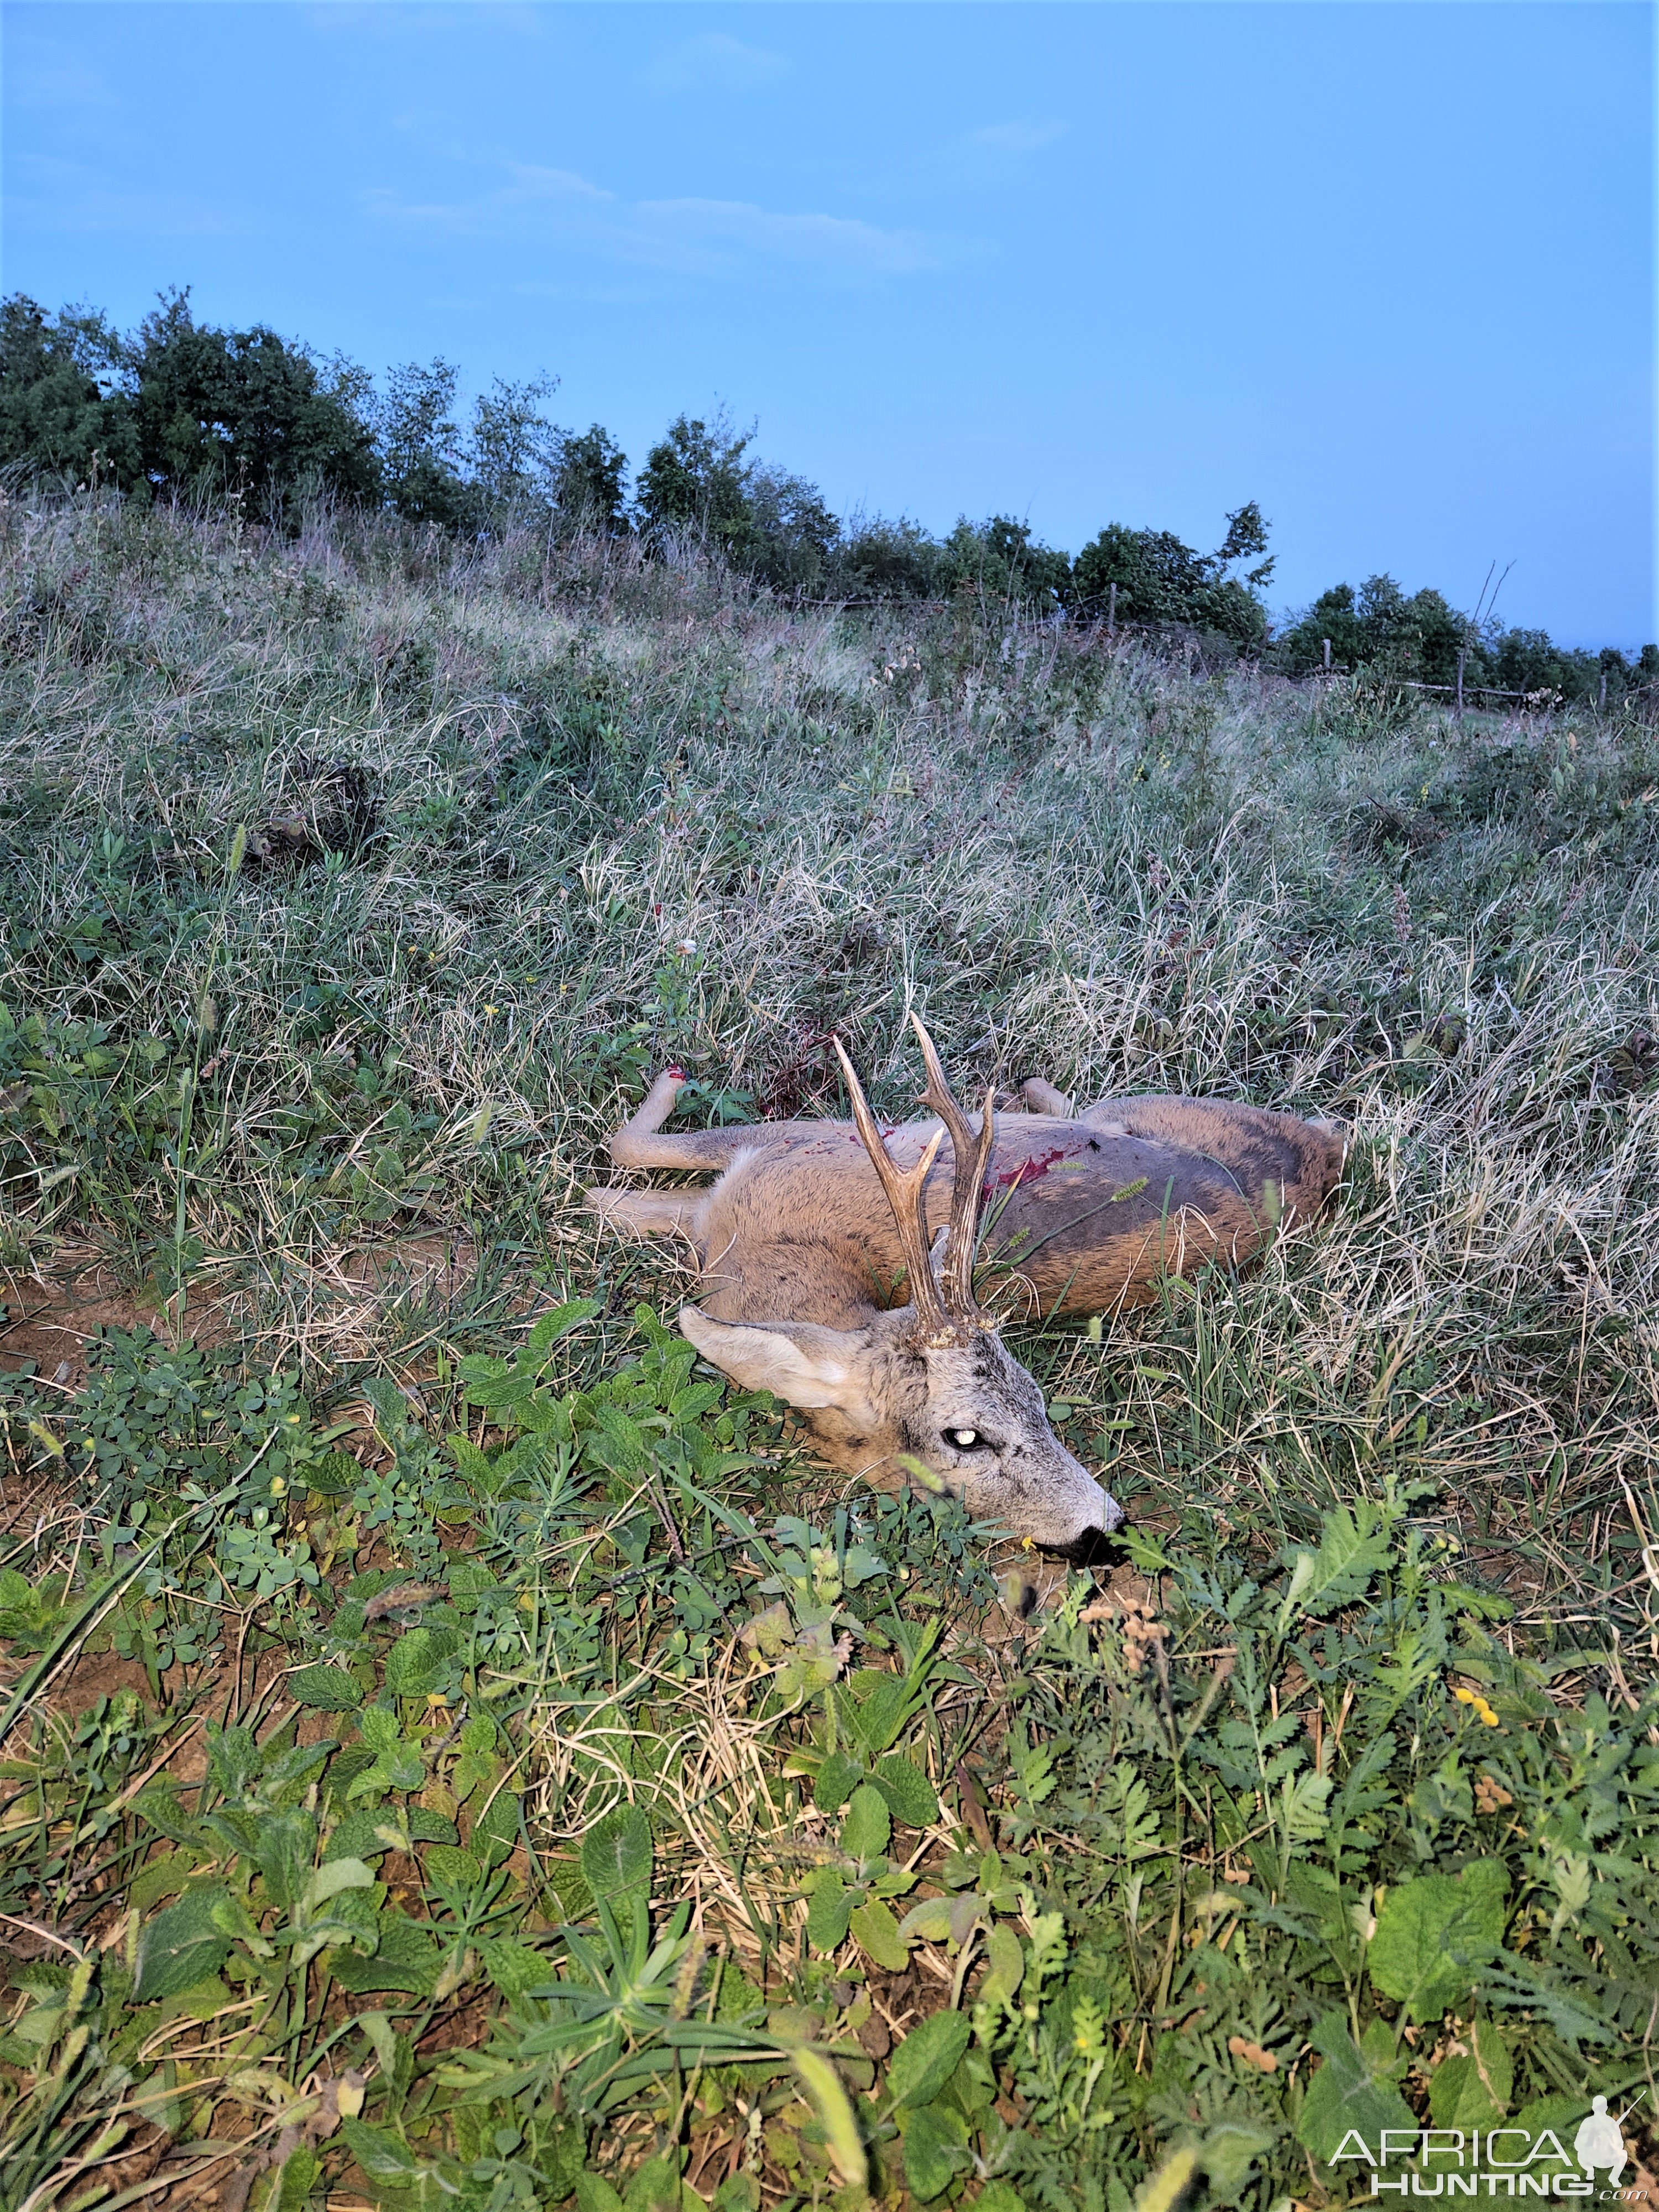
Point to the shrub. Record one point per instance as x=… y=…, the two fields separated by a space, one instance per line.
x=590 y=487
x=1415 y=639
x=420 y=443
x=65 y=401
x=225 y=411
x=880 y=559
x=795 y=533
x=1529 y=660
x=1161 y=581
x=696 y=483
x=185 y=408
x=515 y=453
x=999 y=559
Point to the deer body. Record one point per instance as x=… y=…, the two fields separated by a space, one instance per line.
x=1087 y=1214
x=813 y=1229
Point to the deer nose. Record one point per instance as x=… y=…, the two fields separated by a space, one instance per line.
x=1092 y=1547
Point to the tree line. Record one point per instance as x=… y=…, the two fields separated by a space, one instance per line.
x=183 y=409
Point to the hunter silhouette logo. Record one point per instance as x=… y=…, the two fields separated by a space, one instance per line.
x=1599 y=2143
x=1504 y=2161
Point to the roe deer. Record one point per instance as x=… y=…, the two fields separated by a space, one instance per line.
x=814 y=1228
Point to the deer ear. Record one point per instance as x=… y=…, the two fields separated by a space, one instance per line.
x=797 y=1361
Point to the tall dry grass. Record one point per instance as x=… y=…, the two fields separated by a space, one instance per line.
x=536 y=817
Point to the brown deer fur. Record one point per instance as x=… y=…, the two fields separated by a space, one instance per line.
x=1082 y=1212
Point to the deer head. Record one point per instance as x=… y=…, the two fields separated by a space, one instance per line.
x=931 y=1380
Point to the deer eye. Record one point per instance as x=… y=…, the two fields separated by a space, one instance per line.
x=965 y=1439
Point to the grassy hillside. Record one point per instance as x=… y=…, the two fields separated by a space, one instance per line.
x=455 y=1751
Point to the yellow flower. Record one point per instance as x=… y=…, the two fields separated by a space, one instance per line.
x=492 y=1009
x=1483 y=1711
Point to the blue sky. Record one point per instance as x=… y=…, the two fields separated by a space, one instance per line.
x=1386 y=268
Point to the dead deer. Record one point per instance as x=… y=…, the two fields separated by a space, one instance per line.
x=815 y=1229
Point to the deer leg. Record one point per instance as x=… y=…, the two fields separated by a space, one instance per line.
x=647 y=1213
x=637 y=1144
x=1043 y=1099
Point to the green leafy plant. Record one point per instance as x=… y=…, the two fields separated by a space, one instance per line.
x=453 y=1750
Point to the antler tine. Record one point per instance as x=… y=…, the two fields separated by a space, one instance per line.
x=904 y=1188
x=972 y=1153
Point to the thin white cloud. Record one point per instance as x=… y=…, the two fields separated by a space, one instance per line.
x=737 y=227
x=531 y=183
x=714 y=62
x=45 y=79
x=730 y=229
x=1017 y=138
x=591 y=295
x=556 y=210
x=535 y=199
x=67 y=195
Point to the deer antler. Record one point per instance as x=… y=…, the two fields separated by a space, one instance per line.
x=904 y=1188
x=972 y=1153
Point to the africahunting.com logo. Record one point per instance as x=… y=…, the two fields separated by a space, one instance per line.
x=1497 y=2161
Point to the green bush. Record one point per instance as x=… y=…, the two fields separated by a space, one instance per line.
x=1379 y=627
x=189 y=410
x=591 y=490
x=888 y=560
x=1163 y=583
x=999 y=560
x=65 y=404
x=219 y=412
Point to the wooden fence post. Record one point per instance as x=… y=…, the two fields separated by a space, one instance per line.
x=1462 y=654
x=1111 y=613
x=1325 y=642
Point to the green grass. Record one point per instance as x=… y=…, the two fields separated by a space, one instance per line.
x=455 y=1751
